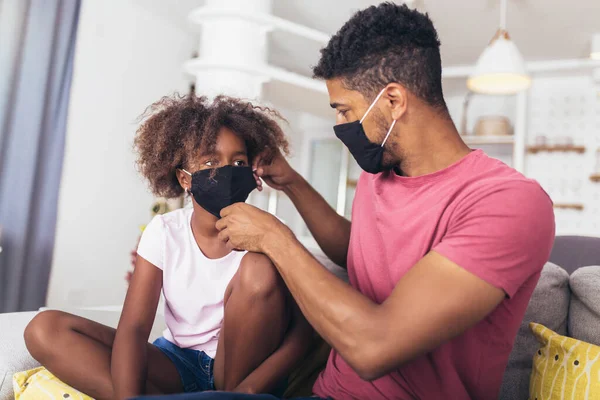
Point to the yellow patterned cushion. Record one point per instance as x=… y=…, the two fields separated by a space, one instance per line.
x=40 y=384
x=563 y=367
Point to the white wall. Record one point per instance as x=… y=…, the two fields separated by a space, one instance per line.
x=482 y=106
x=127 y=56
x=567 y=107
x=561 y=106
x=303 y=130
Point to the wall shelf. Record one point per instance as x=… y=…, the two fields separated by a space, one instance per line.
x=269 y=21
x=595 y=177
x=567 y=206
x=533 y=67
x=478 y=140
x=557 y=148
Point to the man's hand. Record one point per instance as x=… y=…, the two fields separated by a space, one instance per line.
x=330 y=230
x=245 y=227
x=278 y=174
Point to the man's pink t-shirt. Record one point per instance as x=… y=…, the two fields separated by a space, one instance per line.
x=482 y=215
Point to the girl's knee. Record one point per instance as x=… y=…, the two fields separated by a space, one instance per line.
x=258 y=277
x=42 y=332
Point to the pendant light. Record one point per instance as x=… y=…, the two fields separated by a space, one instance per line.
x=500 y=69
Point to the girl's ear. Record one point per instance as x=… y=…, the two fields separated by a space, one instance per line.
x=184 y=180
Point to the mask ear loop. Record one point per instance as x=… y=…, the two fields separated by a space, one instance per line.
x=369 y=110
x=372 y=105
x=187 y=190
x=388 y=133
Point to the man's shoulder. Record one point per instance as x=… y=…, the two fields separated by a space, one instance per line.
x=498 y=194
x=496 y=179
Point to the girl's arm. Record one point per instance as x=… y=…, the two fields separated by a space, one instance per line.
x=283 y=361
x=128 y=362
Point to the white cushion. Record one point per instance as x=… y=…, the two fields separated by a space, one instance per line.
x=14 y=356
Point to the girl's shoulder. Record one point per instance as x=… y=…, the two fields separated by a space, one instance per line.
x=178 y=219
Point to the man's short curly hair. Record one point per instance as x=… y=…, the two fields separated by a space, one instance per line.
x=177 y=128
x=384 y=44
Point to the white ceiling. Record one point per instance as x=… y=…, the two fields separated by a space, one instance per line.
x=542 y=29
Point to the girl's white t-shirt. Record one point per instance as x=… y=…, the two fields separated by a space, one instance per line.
x=193 y=284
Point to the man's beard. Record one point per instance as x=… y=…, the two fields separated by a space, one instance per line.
x=389 y=161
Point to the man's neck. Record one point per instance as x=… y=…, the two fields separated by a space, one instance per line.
x=433 y=146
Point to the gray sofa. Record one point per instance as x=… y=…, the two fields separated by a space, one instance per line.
x=566 y=300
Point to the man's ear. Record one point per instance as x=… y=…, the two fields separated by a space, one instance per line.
x=184 y=179
x=397 y=99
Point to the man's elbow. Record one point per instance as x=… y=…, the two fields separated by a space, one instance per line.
x=378 y=357
x=368 y=370
x=369 y=363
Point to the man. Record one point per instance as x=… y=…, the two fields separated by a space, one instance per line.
x=445 y=245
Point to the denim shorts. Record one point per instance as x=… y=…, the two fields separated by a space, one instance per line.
x=195 y=367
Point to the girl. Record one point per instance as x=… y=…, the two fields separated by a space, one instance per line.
x=231 y=324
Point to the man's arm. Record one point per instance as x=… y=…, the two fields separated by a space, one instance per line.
x=502 y=238
x=434 y=302
x=330 y=230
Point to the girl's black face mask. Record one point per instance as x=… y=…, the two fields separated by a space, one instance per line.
x=367 y=154
x=217 y=188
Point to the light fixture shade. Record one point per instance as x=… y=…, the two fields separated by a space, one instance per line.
x=500 y=68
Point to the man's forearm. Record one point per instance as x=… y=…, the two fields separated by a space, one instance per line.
x=343 y=317
x=330 y=230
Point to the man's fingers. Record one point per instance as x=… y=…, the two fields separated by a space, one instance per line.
x=227 y=210
x=230 y=210
x=258 y=160
x=259 y=184
x=221 y=224
x=256 y=163
x=224 y=236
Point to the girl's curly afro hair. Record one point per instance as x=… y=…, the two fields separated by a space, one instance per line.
x=176 y=128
